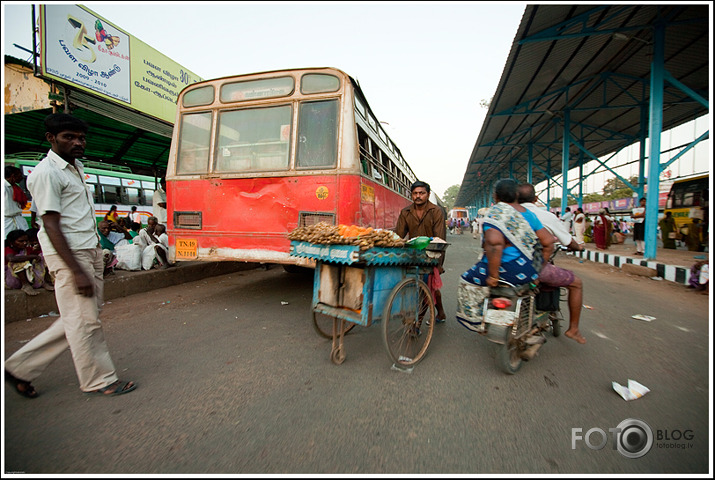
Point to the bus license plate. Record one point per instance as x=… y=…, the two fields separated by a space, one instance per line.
x=187 y=248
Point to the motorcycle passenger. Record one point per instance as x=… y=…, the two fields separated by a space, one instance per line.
x=550 y=274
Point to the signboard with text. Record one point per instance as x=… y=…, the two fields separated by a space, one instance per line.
x=85 y=50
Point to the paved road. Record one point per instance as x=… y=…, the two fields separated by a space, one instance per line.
x=233 y=381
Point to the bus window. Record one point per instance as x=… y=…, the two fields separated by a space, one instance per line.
x=317 y=134
x=195 y=136
x=257 y=89
x=359 y=107
x=253 y=139
x=147 y=197
x=131 y=196
x=319 y=83
x=95 y=193
x=364 y=147
x=199 y=96
x=111 y=194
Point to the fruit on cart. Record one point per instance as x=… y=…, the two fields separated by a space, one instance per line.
x=364 y=237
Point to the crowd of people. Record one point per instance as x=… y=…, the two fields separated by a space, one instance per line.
x=25 y=267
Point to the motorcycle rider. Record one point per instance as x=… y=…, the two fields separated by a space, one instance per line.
x=550 y=274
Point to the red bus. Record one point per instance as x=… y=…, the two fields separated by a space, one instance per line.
x=255 y=156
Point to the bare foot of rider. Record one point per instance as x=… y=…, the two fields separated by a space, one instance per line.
x=575 y=335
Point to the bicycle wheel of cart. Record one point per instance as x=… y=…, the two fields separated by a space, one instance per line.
x=408 y=322
x=323 y=324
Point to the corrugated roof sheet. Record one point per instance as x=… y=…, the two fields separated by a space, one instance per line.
x=569 y=58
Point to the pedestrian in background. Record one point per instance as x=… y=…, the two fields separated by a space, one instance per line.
x=601 y=229
x=579 y=225
x=638 y=215
x=70 y=245
x=668 y=230
x=159 y=202
x=15 y=200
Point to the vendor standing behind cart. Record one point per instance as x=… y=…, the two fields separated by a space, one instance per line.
x=425 y=219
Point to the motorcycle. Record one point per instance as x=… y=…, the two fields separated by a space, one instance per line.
x=517 y=317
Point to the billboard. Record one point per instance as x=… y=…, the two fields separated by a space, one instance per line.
x=80 y=48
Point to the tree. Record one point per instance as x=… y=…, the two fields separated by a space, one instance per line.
x=450 y=196
x=614 y=188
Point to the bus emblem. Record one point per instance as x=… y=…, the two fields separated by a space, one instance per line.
x=321 y=193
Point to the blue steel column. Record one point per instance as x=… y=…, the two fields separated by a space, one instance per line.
x=656 y=126
x=530 y=165
x=580 y=178
x=641 y=163
x=565 y=161
x=548 y=183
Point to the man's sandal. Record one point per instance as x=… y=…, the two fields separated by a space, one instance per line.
x=21 y=386
x=116 y=388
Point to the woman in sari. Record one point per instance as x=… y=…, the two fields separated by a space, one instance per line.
x=668 y=231
x=579 y=225
x=515 y=246
x=511 y=236
x=601 y=230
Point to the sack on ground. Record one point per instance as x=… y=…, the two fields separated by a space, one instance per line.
x=129 y=257
x=470 y=304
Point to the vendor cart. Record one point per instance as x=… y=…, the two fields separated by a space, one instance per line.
x=361 y=287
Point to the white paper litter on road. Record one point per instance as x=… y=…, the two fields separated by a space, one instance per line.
x=646 y=318
x=633 y=391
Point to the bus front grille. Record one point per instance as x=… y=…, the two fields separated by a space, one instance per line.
x=190 y=220
x=308 y=219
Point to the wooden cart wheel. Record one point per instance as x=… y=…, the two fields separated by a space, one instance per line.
x=408 y=322
x=323 y=324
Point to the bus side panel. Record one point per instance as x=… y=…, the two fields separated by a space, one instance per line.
x=247 y=213
x=385 y=206
x=351 y=205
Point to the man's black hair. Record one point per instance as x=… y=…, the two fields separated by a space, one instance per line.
x=418 y=184
x=11 y=170
x=505 y=190
x=526 y=193
x=60 y=122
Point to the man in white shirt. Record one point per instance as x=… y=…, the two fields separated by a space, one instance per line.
x=550 y=274
x=70 y=244
x=159 y=202
x=567 y=219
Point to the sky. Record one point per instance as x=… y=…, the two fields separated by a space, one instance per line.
x=423 y=66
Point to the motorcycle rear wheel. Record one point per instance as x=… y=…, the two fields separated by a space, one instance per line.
x=509 y=356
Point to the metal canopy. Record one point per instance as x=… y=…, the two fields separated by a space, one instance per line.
x=586 y=68
x=117 y=135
